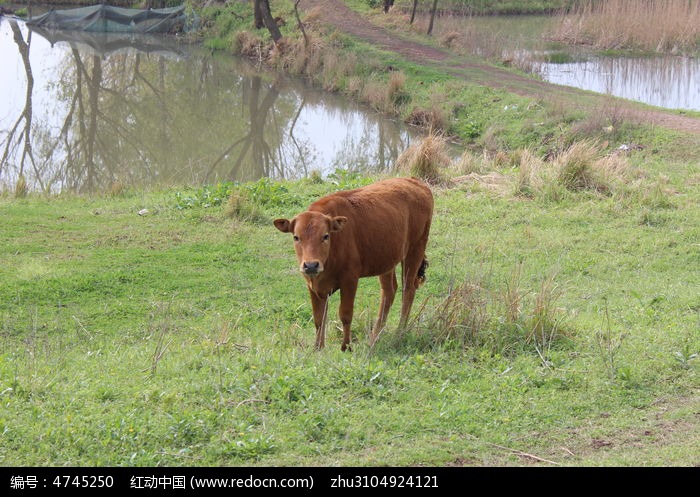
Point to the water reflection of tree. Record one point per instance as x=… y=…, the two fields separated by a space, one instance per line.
x=88 y=109
x=376 y=150
x=132 y=119
x=19 y=134
x=139 y=118
x=253 y=143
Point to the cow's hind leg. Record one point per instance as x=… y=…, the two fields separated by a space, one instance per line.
x=389 y=286
x=347 y=303
x=413 y=274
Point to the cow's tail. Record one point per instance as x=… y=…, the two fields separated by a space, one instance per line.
x=420 y=277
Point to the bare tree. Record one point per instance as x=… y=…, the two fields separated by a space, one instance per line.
x=300 y=24
x=263 y=18
x=258 y=22
x=432 y=17
x=413 y=11
x=433 y=10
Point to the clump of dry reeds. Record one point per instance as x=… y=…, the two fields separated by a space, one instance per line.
x=473 y=314
x=655 y=25
x=531 y=174
x=323 y=60
x=469 y=163
x=379 y=93
x=462 y=315
x=117 y=188
x=21 y=187
x=251 y=46
x=581 y=167
x=396 y=91
x=427 y=159
x=584 y=167
x=575 y=170
x=452 y=39
x=239 y=206
x=432 y=118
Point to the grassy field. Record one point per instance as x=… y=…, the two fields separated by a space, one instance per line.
x=549 y=332
x=559 y=324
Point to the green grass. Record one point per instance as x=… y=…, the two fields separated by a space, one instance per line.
x=557 y=327
x=184 y=336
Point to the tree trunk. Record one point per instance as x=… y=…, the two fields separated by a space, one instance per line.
x=257 y=15
x=270 y=23
x=432 y=17
x=413 y=11
x=300 y=24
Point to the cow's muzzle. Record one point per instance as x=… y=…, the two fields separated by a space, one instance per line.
x=311 y=268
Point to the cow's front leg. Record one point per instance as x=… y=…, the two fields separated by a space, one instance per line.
x=347 y=303
x=319 y=304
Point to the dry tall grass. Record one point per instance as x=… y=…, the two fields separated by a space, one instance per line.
x=462 y=315
x=532 y=175
x=469 y=163
x=475 y=314
x=396 y=91
x=239 y=206
x=654 y=25
x=583 y=166
x=322 y=59
x=21 y=187
x=544 y=326
x=385 y=96
x=512 y=295
x=427 y=159
x=650 y=25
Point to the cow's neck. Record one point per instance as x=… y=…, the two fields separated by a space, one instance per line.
x=321 y=286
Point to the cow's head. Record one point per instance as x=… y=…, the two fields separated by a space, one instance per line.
x=312 y=238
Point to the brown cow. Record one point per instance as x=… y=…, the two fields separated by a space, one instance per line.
x=363 y=232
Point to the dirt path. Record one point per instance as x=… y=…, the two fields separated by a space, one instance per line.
x=336 y=13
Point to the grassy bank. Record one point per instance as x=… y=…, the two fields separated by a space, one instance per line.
x=465 y=103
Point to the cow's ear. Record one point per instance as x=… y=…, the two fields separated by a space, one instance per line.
x=284 y=225
x=338 y=223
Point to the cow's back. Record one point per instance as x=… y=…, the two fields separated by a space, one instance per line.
x=384 y=220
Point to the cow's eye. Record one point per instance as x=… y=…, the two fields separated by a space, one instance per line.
x=296 y=238
x=326 y=237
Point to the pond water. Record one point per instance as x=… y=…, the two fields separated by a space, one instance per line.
x=668 y=81
x=671 y=82
x=87 y=112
